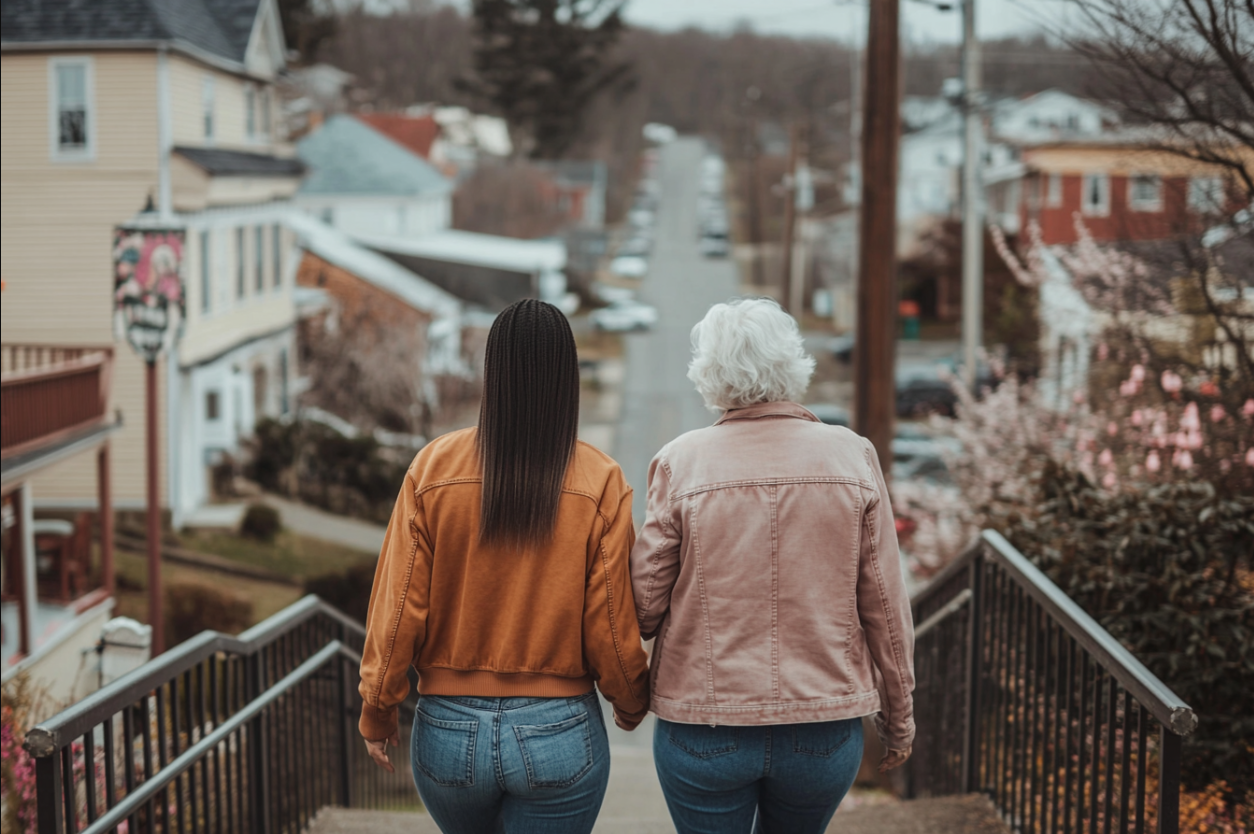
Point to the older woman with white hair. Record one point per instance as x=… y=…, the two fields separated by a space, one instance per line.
x=767 y=569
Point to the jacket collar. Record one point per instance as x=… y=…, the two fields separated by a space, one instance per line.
x=759 y=410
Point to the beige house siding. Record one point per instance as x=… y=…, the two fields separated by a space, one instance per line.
x=187 y=83
x=1122 y=161
x=56 y=221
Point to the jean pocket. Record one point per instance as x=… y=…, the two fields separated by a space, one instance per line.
x=445 y=750
x=702 y=741
x=556 y=755
x=821 y=739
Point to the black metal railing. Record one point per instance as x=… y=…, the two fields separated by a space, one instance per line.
x=1024 y=697
x=252 y=733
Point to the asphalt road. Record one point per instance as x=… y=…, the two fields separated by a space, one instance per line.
x=659 y=402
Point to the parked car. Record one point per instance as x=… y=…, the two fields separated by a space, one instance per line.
x=622 y=316
x=629 y=266
x=841 y=347
x=830 y=413
x=638 y=245
x=715 y=246
x=610 y=294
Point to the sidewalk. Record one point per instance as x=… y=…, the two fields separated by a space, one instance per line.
x=319 y=524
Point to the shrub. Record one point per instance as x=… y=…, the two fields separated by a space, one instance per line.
x=347 y=590
x=261 y=523
x=1166 y=570
x=192 y=607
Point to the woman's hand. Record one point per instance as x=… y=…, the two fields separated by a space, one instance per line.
x=892 y=759
x=378 y=751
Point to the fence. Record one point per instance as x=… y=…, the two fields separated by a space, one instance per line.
x=226 y=734
x=1022 y=696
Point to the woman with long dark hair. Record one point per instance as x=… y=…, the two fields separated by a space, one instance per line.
x=504 y=581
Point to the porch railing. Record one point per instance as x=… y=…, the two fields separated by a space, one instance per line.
x=252 y=733
x=49 y=392
x=1024 y=697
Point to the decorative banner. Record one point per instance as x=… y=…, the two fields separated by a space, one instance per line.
x=148 y=307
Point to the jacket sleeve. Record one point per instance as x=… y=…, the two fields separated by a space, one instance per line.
x=396 y=622
x=884 y=609
x=612 y=646
x=655 y=557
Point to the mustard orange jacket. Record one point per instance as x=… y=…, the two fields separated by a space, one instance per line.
x=490 y=621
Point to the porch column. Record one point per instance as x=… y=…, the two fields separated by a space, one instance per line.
x=104 y=516
x=28 y=591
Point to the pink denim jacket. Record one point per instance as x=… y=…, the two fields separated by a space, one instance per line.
x=768 y=570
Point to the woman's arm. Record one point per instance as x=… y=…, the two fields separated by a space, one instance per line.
x=884 y=609
x=396 y=622
x=612 y=645
x=655 y=557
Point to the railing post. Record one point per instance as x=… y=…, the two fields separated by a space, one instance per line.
x=1169 y=782
x=48 y=801
x=259 y=754
x=975 y=637
x=345 y=728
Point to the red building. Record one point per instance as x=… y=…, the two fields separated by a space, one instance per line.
x=1121 y=190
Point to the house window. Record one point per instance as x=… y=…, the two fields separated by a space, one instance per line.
x=265 y=114
x=239 y=263
x=213 y=406
x=276 y=253
x=1206 y=194
x=250 y=113
x=1053 y=191
x=1073 y=121
x=1145 y=192
x=206 y=276
x=259 y=252
x=1095 y=201
x=207 y=107
x=71 y=111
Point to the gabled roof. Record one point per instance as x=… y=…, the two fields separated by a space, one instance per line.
x=348 y=157
x=223 y=163
x=494 y=251
x=335 y=247
x=418 y=133
x=221 y=28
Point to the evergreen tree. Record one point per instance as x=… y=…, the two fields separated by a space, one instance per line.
x=541 y=63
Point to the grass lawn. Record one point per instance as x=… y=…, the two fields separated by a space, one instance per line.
x=289 y=554
x=267 y=598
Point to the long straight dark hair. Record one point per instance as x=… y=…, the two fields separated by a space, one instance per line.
x=528 y=420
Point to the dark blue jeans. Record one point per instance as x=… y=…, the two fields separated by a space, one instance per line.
x=520 y=765
x=787 y=777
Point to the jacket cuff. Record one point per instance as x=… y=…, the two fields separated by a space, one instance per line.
x=377 y=724
x=894 y=737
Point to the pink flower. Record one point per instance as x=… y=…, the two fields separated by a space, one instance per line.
x=1249 y=456
x=1109 y=480
x=1171 y=382
x=1138 y=373
x=1183 y=458
x=1190 y=420
x=1152 y=463
x=1077 y=397
x=1105 y=458
x=1103 y=351
x=1128 y=388
x=1217 y=413
x=1112 y=428
x=1248 y=408
x=1136 y=417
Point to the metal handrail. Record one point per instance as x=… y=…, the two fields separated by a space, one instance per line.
x=1024 y=696
x=78 y=718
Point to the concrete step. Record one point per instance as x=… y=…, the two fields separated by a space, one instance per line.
x=971 y=814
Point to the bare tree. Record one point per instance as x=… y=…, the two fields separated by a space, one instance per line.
x=1183 y=66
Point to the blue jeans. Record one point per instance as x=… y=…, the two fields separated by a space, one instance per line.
x=520 y=765
x=787 y=777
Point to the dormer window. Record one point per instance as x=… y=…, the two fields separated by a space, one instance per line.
x=207 y=107
x=71 y=114
x=265 y=114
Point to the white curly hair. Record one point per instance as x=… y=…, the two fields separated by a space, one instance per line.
x=748 y=351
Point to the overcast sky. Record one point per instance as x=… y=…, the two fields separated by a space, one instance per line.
x=844 y=19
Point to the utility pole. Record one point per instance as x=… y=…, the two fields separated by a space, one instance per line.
x=972 y=201
x=790 y=221
x=874 y=351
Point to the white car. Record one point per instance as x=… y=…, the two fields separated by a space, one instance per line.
x=629 y=266
x=621 y=316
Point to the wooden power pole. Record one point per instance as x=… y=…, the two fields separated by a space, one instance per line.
x=875 y=348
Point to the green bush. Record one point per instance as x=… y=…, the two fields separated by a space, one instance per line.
x=1166 y=570
x=192 y=607
x=261 y=523
x=347 y=590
